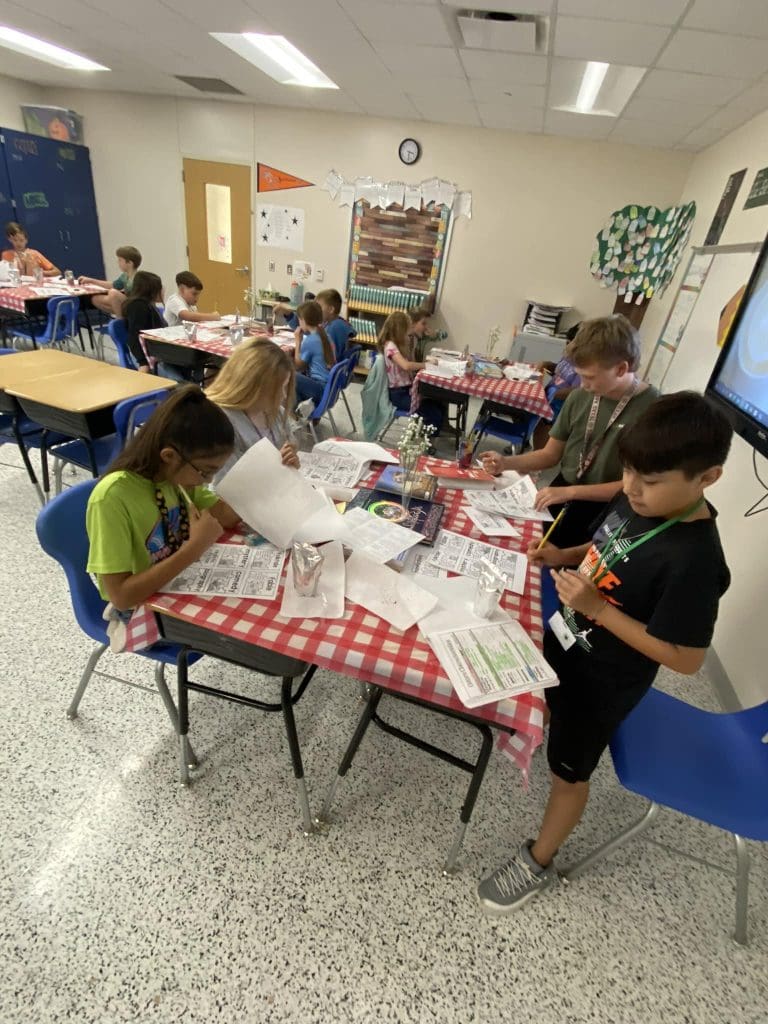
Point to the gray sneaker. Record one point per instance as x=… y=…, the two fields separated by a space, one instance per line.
x=305 y=409
x=515 y=882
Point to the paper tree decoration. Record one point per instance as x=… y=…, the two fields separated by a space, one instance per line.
x=638 y=250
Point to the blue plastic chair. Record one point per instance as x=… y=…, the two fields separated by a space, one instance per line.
x=351 y=360
x=127 y=416
x=61 y=325
x=329 y=398
x=62 y=535
x=118 y=332
x=710 y=766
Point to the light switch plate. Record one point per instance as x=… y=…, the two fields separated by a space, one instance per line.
x=271 y=265
x=289 y=269
x=319 y=275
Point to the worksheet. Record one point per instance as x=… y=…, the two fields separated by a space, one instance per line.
x=376 y=538
x=232 y=570
x=489 y=524
x=333 y=470
x=516 y=501
x=463 y=555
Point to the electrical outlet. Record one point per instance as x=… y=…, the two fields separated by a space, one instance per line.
x=289 y=269
x=319 y=275
x=271 y=266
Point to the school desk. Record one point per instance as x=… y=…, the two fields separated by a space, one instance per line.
x=71 y=395
x=31 y=299
x=395 y=665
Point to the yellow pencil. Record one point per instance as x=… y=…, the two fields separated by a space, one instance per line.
x=549 y=532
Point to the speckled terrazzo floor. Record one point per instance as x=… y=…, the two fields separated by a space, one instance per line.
x=127 y=898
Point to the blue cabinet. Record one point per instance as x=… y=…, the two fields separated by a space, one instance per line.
x=52 y=189
x=6 y=206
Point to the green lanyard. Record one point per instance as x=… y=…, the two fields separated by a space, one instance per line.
x=607 y=565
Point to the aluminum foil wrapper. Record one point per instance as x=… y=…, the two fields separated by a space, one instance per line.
x=490 y=587
x=307 y=564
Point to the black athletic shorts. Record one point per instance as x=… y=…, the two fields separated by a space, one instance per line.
x=586 y=709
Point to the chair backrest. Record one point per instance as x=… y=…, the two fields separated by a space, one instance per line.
x=61 y=531
x=118 y=332
x=332 y=390
x=352 y=358
x=62 y=318
x=133 y=412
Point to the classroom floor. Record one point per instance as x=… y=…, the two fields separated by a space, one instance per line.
x=129 y=898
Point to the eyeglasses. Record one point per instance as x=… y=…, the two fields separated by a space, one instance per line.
x=204 y=474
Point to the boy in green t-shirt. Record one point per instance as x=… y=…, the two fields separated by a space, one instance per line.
x=129 y=261
x=583 y=440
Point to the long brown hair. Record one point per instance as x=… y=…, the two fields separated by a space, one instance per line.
x=312 y=315
x=189 y=422
x=395 y=328
x=146 y=286
x=253 y=378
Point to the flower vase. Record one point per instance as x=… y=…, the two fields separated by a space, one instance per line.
x=408 y=463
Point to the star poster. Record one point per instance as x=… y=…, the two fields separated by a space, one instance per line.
x=280 y=227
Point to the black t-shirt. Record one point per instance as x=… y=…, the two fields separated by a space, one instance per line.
x=672 y=583
x=140 y=315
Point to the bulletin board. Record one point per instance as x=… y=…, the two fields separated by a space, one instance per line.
x=397 y=248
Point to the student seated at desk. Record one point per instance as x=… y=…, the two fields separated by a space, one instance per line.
x=336 y=327
x=314 y=356
x=289 y=315
x=141 y=313
x=142 y=530
x=26 y=260
x=181 y=307
x=397 y=350
x=645 y=594
x=584 y=438
x=255 y=389
x=419 y=318
x=129 y=261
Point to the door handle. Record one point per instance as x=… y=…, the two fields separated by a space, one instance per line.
x=242 y=270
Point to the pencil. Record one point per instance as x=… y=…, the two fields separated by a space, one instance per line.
x=550 y=531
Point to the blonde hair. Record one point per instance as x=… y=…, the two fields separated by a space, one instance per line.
x=607 y=340
x=395 y=328
x=253 y=378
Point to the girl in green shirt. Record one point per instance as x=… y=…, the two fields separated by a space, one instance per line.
x=151 y=515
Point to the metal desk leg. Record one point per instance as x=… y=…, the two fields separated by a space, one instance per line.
x=286 y=699
x=26 y=459
x=451 y=867
x=369 y=711
x=44 y=465
x=182 y=676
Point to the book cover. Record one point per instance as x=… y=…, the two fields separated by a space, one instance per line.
x=423 y=485
x=487 y=368
x=458 y=478
x=422 y=516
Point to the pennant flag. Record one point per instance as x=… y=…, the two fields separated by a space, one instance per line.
x=269 y=179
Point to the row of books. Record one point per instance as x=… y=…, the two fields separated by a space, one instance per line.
x=383 y=300
x=542 y=319
x=366 y=330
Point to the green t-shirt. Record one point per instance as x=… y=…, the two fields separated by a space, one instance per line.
x=571 y=424
x=123 y=283
x=124 y=525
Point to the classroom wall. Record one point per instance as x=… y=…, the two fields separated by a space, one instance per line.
x=740 y=635
x=14 y=92
x=538 y=200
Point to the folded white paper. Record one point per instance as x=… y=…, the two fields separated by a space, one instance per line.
x=365 y=451
x=490 y=524
x=397 y=600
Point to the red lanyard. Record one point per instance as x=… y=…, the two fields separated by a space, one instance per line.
x=588 y=454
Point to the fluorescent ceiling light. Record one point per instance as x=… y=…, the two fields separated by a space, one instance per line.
x=40 y=50
x=276 y=57
x=591 y=84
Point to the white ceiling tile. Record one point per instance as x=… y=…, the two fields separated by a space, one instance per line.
x=739 y=17
x=732 y=56
x=703 y=136
x=430 y=60
x=447 y=113
x=437 y=88
x=615 y=42
x=495 y=115
x=392 y=106
x=687 y=87
x=505 y=6
x=652 y=12
x=689 y=115
x=647 y=133
x=754 y=99
x=509 y=95
x=729 y=117
x=560 y=122
x=418 y=24
x=504 y=67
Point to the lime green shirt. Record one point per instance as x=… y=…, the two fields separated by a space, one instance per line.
x=571 y=424
x=124 y=525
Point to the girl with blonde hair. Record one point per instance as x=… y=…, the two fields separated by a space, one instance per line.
x=254 y=389
x=396 y=346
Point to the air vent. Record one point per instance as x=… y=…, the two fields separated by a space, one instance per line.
x=501 y=30
x=210 y=85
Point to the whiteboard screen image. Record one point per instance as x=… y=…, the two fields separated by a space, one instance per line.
x=280 y=227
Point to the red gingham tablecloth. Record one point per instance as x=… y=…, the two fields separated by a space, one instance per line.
x=527 y=395
x=215 y=343
x=364 y=646
x=16 y=298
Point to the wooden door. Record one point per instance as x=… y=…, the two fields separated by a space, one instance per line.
x=217 y=199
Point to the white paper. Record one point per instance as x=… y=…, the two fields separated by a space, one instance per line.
x=461 y=554
x=271 y=498
x=377 y=538
x=516 y=501
x=366 y=451
x=325 y=524
x=446 y=368
x=327 y=468
x=417 y=563
x=232 y=570
x=456 y=597
x=491 y=662
x=395 y=193
x=347 y=195
x=446 y=193
x=332 y=183
x=491 y=525
x=328 y=602
x=412 y=197
x=462 y=206
x=281 y=227
x=397 y=600
x=218 y=218
x=430 y=191
x=521 y=371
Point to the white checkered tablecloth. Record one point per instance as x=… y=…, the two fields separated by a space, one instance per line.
x=17 y=298
x=365 y=647
x=518 y=394
x=215 y=343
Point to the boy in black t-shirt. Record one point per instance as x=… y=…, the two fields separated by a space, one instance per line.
x=645 y=594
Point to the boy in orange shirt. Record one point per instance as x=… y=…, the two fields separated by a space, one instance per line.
x=26 y=260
